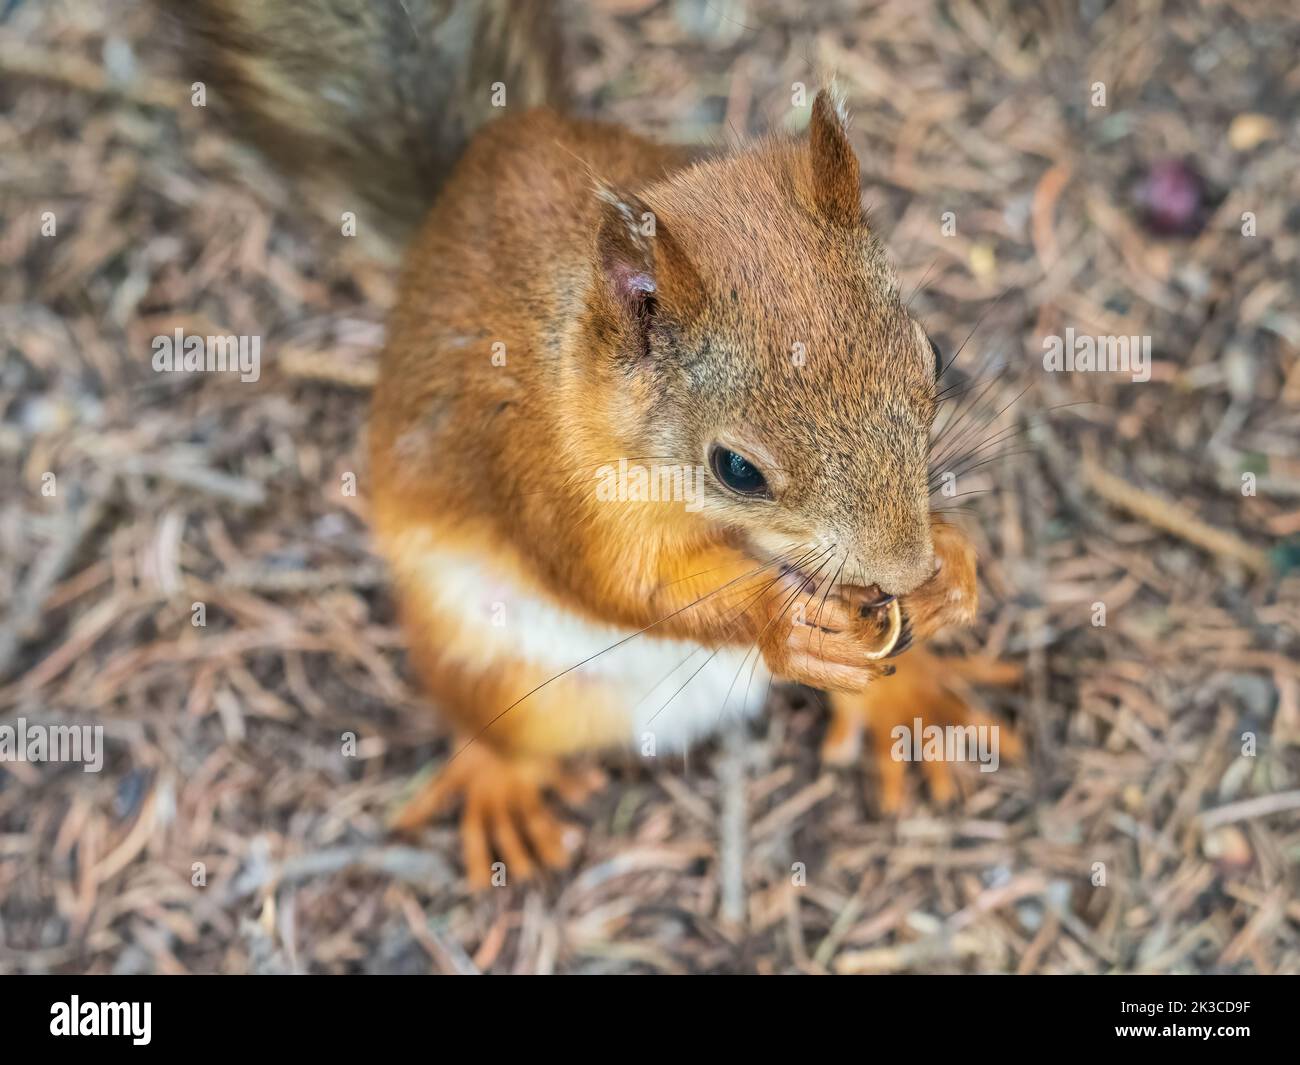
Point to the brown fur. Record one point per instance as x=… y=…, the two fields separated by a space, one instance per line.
x=651 y=347
x=758 y=311
x=369 y=102
x=518 y=252
x=511 y=256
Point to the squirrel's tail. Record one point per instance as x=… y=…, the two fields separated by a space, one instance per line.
x=368 y=103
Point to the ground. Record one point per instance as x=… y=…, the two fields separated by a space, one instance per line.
x=1137 y=538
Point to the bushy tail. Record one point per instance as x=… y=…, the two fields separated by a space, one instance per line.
x=368 y=103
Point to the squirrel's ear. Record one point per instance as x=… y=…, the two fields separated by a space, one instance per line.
x=625 y=254
x=640 y=264
x=834 y=165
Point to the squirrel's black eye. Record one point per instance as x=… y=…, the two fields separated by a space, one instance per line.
x=938 y=359
x=737 y=472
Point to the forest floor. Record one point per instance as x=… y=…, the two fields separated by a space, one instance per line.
x=1153 y=826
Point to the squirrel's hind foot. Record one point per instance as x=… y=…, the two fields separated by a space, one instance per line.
x=889 y=709
x=507 y=826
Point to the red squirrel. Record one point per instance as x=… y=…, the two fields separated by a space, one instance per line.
x=579 y=303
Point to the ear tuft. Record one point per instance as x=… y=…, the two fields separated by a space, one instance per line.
x=625 y=250
x=645 y=276
x=835 y=172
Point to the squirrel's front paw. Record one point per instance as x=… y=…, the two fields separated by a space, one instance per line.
x=951 y=596
x=504 y=812
x=833 y=640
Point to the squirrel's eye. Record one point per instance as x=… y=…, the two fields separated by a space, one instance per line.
x=737 y=472
x=938 y=359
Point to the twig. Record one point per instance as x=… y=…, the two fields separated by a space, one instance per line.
x=42 y=577
x=411 y=864
x=1173 y=518
x=210 y=482
x=1247 y=809
x=22 y=60
x=315 y=366
x=732 y=826
x=268 y=579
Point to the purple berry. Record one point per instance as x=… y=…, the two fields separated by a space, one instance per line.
x=1171 y=196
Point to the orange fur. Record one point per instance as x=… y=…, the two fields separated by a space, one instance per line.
x=524 y=354
x=922 y=687
x=579 y=295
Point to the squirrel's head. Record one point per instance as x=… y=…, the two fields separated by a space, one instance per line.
x=754 y=328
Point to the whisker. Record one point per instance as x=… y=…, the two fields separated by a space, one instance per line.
x=735 y=614
x=578 y=665
x=1002 y=436
x=943 y=441
x=702 y=666
x=954 y=447
x=754 y=647
x=753 y=669
x=966 y=386
x=978 y=322
x=921 y=284
x=991 y=459
x=825 y=595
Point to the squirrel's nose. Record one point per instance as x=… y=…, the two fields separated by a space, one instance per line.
x=895 y=569
x=900 y=576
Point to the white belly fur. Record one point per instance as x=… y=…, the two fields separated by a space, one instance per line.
x=676 y=691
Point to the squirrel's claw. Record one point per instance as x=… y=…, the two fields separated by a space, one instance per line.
x=504 y=814
x=914 y=691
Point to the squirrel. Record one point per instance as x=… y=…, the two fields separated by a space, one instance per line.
x=580 y=304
